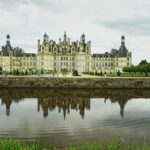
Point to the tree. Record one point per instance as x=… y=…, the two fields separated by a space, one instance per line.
x=17 y=72
x=1 y=68
x=101 y=74
x=143 y=62
x=65 y=70
x=145 y=68
x=75 y=73
x=118 y=73
x=26 y=72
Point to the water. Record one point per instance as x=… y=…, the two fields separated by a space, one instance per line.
x=60 y=117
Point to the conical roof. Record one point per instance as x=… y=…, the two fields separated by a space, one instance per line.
x=122 y=52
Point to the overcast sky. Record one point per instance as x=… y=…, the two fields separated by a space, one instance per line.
x=102 y=21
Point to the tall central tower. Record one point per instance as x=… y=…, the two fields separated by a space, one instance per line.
x=123 y=40
x=8 y=39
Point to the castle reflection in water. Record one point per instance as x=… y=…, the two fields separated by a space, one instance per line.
x=66 y=100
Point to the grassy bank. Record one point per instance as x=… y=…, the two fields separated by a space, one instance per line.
x=116 y=145
x=128 y=75
x=119 y=75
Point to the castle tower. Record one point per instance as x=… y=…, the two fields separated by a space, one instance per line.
x=38 y=45
x=82 y=38
x=45 y=38
x=123 y=40
x=8 y=39
x=65 y=36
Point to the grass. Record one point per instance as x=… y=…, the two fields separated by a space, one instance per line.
x=11 y=144
x=121 y=75
x=127 y=75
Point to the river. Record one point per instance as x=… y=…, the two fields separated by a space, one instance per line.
x=59 y=117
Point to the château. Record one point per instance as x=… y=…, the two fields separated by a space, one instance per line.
x=52 y=56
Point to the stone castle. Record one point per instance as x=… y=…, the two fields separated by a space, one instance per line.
x=54 y=56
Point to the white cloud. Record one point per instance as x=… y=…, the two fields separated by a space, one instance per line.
x=103 y=22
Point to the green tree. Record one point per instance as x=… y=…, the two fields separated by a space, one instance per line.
x=65 y=71
x=118 y=73
x=17 y=72
x=143 y=62
x=75 y=73
x=26 y=72
x=101 y=73
x=145 y=68
x=1 y=68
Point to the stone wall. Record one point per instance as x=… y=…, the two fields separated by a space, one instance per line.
x=49 y=82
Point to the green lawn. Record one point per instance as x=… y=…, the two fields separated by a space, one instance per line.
x=116 y=145
x=127 y=75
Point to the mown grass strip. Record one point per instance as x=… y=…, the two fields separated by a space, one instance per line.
x=11 y=144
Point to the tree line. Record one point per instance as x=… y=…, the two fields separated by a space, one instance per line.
x=143 y=67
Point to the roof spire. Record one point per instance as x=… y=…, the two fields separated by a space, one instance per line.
x=123 y=40
x=8 y=39
x=65 y=36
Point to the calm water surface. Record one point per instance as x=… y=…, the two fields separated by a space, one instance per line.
x=60 y=117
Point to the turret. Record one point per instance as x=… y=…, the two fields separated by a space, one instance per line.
x=38 y=45
x=65 y=36
x=122 y=52
x=82 y=38
x=45 y=38
x=59 y=40
x=69 y=41
x=8 y=39
x=122 y=40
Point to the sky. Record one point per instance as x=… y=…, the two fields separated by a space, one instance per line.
x=102 y=21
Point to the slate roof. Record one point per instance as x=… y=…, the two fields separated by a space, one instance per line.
x=122 y=51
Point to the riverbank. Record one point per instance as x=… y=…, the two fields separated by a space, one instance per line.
x=75 y=82
x=116 y=145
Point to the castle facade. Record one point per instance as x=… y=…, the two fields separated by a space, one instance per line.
x=54 y=56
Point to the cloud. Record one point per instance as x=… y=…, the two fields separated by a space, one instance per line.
x=138 y=26
x=103 y=22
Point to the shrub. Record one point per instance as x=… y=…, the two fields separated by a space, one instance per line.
x=75 y=73
x=1 y=69
x=26 y=72
x=101 y=74
x=118 y=73
x=145 y=68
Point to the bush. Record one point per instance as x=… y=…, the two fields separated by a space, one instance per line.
x=17 y=72
x=1 y=69
x=101 y=74
x=75 y=73
x=26 y=72
x=145 y=68
x=118 y=73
